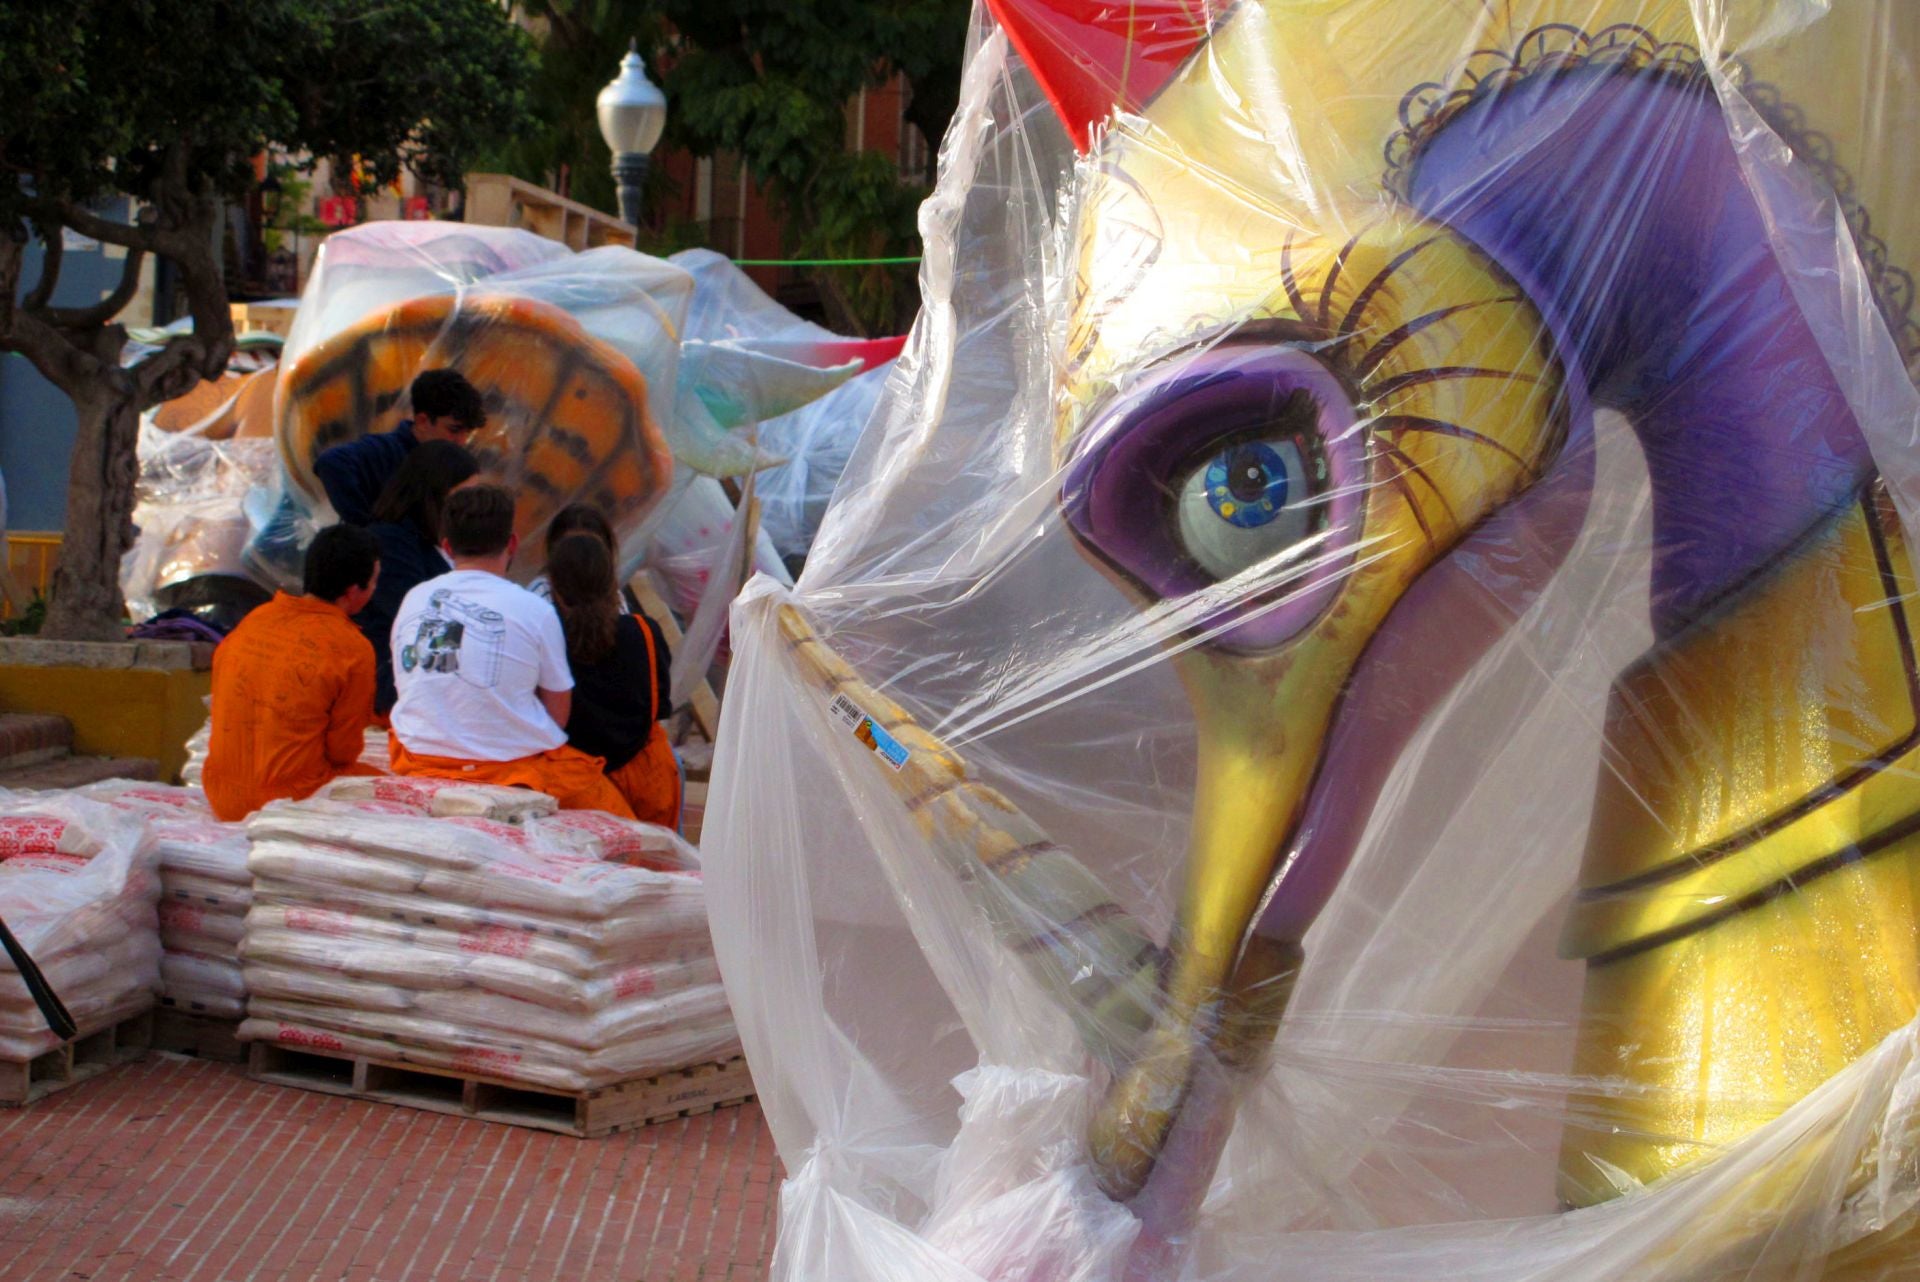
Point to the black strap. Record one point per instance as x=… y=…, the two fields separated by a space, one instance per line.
x=51 y=1007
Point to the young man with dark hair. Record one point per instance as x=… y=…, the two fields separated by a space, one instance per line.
x=480 y=664
x=446 y=407
x=293 y=684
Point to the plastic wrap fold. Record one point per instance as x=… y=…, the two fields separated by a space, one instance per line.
x=1354 y=712
x=78 y=884
x=604 y=372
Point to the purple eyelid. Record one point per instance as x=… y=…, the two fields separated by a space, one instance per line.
x=1114 y=493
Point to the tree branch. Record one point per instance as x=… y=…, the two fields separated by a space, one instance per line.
x=88 y=223
x=174 y=370
x=55 y=249
x=65 y=365
x=107 y=308
x=186 y=359
x=11 y=252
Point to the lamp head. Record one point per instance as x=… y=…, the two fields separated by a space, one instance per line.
x=632 y=110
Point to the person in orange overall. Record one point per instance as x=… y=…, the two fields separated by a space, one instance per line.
x=480 y=664
x=619 y=663
x=293 y=684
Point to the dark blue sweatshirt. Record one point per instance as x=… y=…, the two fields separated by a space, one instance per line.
x=406 y=560
x=354 y=474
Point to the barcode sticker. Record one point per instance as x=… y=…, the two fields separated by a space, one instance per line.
x=869 y=731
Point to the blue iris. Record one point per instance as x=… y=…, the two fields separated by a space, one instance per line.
x=1247 y=484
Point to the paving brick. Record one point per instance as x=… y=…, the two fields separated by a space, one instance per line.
x=182 y=1170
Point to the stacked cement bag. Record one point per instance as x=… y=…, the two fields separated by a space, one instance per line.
x=405 y=920
x=78 y=885
x=205 y=889
x=374 y=756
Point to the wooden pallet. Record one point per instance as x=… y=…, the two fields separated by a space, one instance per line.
x=623 y=1106
x=201 y=1036
x=88 y=1054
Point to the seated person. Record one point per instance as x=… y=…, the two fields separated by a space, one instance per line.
x=293 y=684
x=446 y=407
x=406 y=525
x=574 y=518
x=620 y=666
x=480 y=664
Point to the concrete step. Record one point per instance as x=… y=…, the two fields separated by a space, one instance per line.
x=74 y=772
x=28 y=738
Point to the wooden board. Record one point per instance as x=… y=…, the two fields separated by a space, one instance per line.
x=693 y=810
x=706 y=705
x=254 y=317
x=89 y=1053
x=201 y=1036
x=623 y=1106
x=500 y=200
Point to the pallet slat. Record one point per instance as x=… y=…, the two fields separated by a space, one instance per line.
x=87 y=1054
x=585 y=1114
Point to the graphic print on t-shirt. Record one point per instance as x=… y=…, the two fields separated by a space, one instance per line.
x=456 y=637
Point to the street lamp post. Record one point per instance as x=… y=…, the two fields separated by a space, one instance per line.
x=633 y=112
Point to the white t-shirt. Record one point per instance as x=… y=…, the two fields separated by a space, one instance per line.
x=469 y=651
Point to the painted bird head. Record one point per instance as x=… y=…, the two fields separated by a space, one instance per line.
x=1281 y=412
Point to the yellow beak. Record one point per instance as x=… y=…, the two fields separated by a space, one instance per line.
x=1261 y=723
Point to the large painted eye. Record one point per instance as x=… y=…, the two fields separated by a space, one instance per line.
x=1249 y=502
x=1240 y=464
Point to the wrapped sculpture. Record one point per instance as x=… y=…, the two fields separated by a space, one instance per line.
x=611 y=376
x=601 y=369
x=1159 y=836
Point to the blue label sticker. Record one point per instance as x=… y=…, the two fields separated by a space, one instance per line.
x=875 y=736
x=869 y=731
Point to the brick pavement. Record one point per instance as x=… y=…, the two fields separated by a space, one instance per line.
x=182 y=1170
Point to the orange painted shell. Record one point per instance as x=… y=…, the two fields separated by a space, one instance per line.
x=219 y=409
x=567 y=415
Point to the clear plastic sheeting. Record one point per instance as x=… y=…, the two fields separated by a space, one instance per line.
x=192 y=516
x=750 y=360
x=815 y=441
x=574 y=356
x=1354 y=712
x=78 y=885
x=690 y=537
x=603 y=371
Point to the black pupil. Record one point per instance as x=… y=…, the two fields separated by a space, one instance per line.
x=1246 y=475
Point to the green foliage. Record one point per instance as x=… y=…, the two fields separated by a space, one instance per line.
x=169 y=101
x=28 y=622
x=580 y=44
x=286 y=208
x=93 y=92
x=767 y=81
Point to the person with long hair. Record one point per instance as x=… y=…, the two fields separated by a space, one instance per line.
x=620 y=665
x=575 y=518
x=406 y=525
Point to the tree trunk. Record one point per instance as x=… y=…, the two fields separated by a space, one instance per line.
x=85 y=604
x=843 y=314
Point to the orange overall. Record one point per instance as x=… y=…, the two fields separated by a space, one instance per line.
x=292 y=698
x=568 y=775
x=651 y=780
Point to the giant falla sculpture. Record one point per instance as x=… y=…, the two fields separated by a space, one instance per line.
x=1326 y=397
